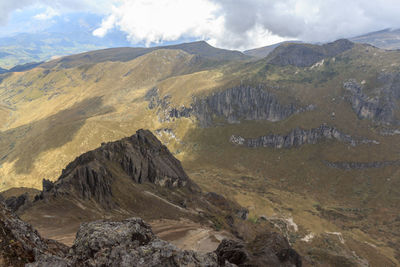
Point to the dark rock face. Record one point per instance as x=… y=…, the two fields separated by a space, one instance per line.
x=232 y=251
x=20 y=243
x=377 y=109
x=234 y=104
x=305 y=55
x=14 y=203
x=141 y=157
x=268 y=245
x=380 y=108
x=361 y=165
x=266 y=250
x=298 y=137
x=242 y=103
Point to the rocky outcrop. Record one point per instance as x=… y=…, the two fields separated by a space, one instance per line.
x=382 y=106
x=127 y=243
x=378 y=109
x=165 y=111
x=266 y=250
x=132 y=243
x=21 y=244
x=15 y=202
x=306 y=55
x=360 y=165
x=242 y=103
x=234 y=104
x=141 y=157
x=298 y=137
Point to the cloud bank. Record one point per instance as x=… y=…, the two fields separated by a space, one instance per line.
x=234 y=24
x=244 y=24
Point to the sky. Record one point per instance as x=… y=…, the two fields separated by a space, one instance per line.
x=231 y=24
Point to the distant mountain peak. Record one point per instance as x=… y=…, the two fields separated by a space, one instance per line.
x=305 y=55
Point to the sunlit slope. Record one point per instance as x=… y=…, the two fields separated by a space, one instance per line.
x=60 y=113
x=54 y=114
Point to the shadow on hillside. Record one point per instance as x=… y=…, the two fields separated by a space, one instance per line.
x=25 y=143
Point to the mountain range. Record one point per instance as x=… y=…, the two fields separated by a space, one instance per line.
x=305 y=139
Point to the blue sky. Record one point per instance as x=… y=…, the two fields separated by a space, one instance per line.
x=233 y=24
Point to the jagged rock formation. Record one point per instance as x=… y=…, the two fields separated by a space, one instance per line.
x=381 y=107
x=242 y=103
x=361 y=165
x=234 y=104
x=298 y=137
x=306 y=55
x=141 y=157
x=21 y=244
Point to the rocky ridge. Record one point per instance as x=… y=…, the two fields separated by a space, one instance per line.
x=141 y=157
x=298 y=137
x=234 y=104
x=361 y=165
x=306 y=55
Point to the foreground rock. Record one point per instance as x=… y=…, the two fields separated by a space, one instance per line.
x=132 y=243
x=21 y=244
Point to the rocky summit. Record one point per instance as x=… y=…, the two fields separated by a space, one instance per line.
x=140 y=157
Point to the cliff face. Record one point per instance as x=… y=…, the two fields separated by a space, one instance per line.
x=242 y=102
x=305 y=55
x=234 y=104
x=298 y=137
x=140 y=157
x=380 y=108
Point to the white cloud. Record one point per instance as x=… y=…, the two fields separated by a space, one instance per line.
x=238 y=24
x=48 y=14
x=244 y=24
x=152 y=22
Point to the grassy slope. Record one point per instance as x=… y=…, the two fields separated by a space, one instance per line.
x=56 y=114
